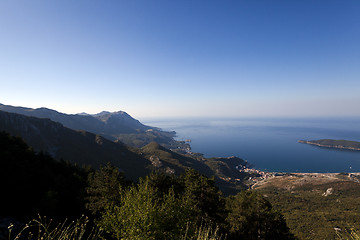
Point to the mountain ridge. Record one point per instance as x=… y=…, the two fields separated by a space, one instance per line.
x=151 y=149
x=111 y=125
x=79 y=147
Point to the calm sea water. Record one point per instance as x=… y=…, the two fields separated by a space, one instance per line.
x=271 y=144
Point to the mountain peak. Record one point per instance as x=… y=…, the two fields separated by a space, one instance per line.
x=109 y=124
x=102 y=113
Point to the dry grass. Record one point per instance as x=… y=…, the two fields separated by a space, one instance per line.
x=347 y=234
x=205 y=232
x=42 y=229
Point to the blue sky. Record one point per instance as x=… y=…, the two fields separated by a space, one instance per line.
x=182 y=58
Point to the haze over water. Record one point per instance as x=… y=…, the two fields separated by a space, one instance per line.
x=271 y=144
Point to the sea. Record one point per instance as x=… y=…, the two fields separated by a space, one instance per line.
x=270 y=144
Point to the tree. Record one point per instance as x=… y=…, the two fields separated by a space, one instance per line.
x=204 y=195
x=104 y=186
x=162 y=182
x=251 y=216
x=141 y=214
x=35 y=183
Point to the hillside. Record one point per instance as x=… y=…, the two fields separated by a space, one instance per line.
x=225 y=170
x=80 y=147
x=315 y=204
x=85 y=148
x=111 y=125
x=34 y=183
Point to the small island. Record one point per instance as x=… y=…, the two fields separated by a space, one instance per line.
x=331 y=143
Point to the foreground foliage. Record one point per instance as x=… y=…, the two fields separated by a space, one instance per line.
x=140 y=215
x=159 y=206
x=252 y=217
x=167 y=207
x=162 y=207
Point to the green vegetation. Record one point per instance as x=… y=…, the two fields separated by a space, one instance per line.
x=168 y=207
x=247 y=206
x=140 y=214
x=159 y=206
x=103 y=188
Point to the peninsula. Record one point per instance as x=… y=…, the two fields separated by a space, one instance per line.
x=331 y=143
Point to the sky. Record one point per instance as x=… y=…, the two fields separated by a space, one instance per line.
x=185 y=58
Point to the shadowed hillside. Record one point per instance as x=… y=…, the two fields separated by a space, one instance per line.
x=80 y=147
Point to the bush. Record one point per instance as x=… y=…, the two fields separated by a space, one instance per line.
x=140 y=214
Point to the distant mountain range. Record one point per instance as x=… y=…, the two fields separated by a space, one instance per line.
x=105 y=123
x=111 y=125
x=82 y=147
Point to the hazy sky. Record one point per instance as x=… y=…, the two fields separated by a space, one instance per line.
x=156 y=58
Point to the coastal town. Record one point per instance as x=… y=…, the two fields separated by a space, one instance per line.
x=258 y=178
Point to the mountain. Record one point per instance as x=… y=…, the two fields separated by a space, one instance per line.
x=85 y=148
x=111 y=125
x=105 y=122
x=80 y=147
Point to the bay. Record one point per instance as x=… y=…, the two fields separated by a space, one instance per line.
x=271 y=144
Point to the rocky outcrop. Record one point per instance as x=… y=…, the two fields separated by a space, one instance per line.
x=328 y=192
